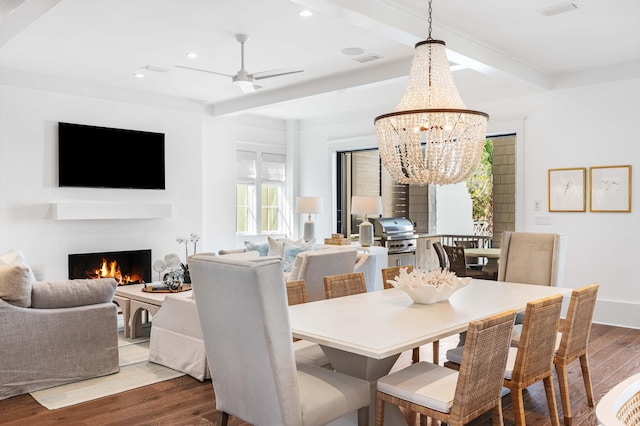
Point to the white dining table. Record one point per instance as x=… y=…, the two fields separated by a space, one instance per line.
x=364 y=334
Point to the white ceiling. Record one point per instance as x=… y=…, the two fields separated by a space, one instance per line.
x=504 y=47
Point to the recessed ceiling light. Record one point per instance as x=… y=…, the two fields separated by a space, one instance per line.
x=305 y=13
x=138 y=75
x=192 y=55
x=352 y=51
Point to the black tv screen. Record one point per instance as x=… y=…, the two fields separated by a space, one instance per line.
x=102 y=157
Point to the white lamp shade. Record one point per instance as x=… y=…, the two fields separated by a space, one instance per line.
x=310 y=205
x=366 y=205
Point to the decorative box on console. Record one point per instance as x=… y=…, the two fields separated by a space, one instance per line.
x=337 y=239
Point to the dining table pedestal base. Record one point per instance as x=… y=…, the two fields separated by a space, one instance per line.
x=371 y=370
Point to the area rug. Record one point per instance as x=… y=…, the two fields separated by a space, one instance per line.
x=135 y=371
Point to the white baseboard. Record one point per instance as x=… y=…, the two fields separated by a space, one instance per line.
x=618 y=313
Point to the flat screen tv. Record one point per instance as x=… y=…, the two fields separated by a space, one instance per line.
x=103 y=157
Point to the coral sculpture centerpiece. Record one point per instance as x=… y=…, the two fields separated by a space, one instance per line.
x=427 y=287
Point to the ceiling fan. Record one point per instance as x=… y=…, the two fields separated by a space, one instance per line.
x=242 y=78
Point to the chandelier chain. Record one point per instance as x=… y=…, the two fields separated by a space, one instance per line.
x=430 y=10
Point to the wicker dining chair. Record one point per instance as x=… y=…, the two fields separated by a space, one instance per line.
x=534 y=355
x=344 y=285
x=391 y=273
x=296 y=292
x=305 y=351
x=573 y=345
x=532 y=360
x=450 y=396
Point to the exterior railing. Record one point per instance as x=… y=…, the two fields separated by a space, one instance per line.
x=484 y=241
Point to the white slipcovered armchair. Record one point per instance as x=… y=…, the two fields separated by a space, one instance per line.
x=243 y=311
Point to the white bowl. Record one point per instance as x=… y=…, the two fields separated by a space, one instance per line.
x=426 y=294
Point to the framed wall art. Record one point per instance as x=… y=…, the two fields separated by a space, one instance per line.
x=567 y=190
x=610 y=189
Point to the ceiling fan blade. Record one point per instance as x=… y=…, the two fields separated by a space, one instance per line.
x=274 y=73
x=201 y=70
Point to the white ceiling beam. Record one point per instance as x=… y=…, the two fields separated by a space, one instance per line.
x=16 y=15
x=388 y=19
x=331 y=83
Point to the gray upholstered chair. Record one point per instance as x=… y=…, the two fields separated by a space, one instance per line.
x=532 y=258
x=244 y=316
x=54 y=332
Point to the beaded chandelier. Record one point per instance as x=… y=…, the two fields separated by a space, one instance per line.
x=431 y=138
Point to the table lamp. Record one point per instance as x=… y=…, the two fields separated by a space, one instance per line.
x=362 y=205
x=309 y=205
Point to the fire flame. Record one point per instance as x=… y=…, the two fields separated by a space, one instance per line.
x=111 y=269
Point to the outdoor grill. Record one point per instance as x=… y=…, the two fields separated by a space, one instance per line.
x=397 y=234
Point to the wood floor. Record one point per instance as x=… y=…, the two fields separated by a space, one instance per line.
x=614 y=354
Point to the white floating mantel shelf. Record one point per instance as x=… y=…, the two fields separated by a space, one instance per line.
x=92 y=211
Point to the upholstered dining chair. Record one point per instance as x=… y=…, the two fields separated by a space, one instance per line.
x=532 y=360
x=305 y=351
x=532 y=258
x=344 y=285
x=458 y=263
x=391 y=273
x=242 y=306
x=450 y=396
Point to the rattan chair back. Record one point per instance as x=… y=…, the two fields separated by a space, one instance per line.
x=535 y=352
x=392 y=272
x=296 y=292
x=573 y=345
x=344 y=285
x=479 y=384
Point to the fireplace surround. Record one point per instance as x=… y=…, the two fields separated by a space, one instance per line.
x=127 y=267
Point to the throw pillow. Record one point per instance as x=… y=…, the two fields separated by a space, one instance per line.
x=290 y=252
x=263 y=248
x=16 y=257
x=16 y=284
x=276 y=246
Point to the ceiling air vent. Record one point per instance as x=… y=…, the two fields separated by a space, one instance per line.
x=368 y=58
x=154 y=68
x=558 y=8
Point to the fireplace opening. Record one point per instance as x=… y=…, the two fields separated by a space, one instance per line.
x=126 y=267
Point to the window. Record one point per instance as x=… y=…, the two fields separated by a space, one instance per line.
x=259 y=196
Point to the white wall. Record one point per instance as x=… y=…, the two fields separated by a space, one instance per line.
x=28 y=178
x=221 y=136
x=572 y=127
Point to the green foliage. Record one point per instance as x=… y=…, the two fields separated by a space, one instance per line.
x=480 y=185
